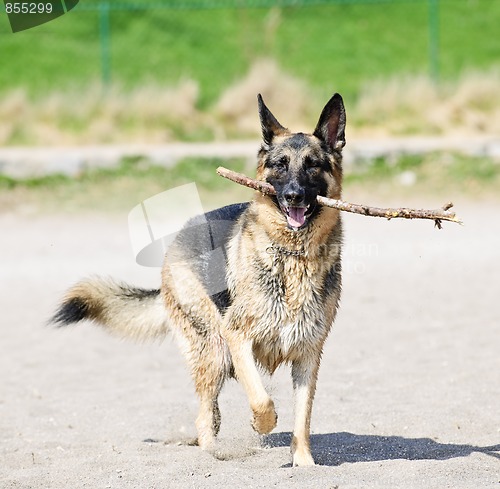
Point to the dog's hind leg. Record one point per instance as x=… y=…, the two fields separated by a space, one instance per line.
x=208 y=359
x=208 y=420
x=304 y=376
x=209 y=370
x=196 y=324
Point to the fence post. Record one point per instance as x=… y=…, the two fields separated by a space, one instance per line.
x=104 y=36
x=434 y=67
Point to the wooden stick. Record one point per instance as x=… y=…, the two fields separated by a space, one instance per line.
x=437 y=215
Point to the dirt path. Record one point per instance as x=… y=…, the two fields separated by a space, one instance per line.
x=408 y=395
x=24 y=162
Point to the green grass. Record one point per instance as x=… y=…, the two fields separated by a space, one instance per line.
x=430 y=173
x=332 y=47
x=140 y=170
x=122 y=188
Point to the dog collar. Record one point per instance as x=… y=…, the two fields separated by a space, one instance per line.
x=280 y=250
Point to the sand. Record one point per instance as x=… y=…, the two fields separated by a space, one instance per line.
x=408 y=393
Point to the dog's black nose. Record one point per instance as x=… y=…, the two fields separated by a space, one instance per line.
x=294 y=195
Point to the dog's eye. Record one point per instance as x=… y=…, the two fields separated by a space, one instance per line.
x=282 y=164
x=311 y=163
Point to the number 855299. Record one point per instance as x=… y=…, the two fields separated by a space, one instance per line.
x=28 y=8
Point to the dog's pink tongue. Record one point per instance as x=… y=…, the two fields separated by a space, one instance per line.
x=296 y=216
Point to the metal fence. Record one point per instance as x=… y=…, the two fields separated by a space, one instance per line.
x=429 y=35
x=105 y=9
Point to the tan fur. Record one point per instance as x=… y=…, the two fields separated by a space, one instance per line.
x=292 y=332
x=118 y=314
x=283 y=282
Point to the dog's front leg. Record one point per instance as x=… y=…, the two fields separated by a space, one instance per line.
x=304 y=376
x=264 y=414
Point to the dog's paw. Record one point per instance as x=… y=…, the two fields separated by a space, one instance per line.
x=206 y=438
x=302 y=458
x=264 y=418
x=206 y=442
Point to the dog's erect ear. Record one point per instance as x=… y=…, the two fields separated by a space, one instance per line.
x=270 y=126
x=331 y=124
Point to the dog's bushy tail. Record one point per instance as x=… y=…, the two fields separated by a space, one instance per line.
x=128 y=311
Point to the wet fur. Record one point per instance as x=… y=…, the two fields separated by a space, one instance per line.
x=272 y=301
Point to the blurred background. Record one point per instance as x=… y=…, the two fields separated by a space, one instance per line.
x=420 y=79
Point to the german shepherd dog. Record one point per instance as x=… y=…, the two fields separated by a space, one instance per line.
x=281 y=276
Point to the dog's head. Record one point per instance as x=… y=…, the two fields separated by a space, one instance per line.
x=302 y=166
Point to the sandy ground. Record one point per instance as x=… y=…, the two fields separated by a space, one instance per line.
x=408 y=394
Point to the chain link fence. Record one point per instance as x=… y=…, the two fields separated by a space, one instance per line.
x=106 y=8
x=104 y=68
x=165 y=40
x=128 y=42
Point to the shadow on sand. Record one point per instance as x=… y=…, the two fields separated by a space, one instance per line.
x=338 y=448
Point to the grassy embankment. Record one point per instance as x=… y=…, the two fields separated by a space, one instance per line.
x=175 y=73
x=425 y=180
